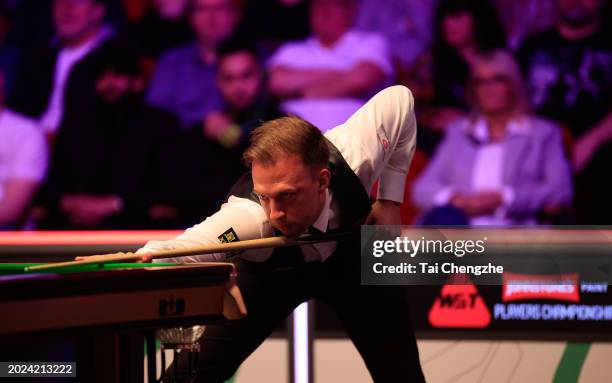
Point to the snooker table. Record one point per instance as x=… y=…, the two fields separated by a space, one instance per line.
x=106 y=310
x=115 y=295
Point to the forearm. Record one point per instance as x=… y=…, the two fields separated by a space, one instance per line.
x=352 y=83
x=602 y=131
x=244 y=219
x=288 y=83
x=16 y=199
x=325 y=83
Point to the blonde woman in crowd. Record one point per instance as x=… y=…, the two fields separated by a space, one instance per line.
x=501 y=165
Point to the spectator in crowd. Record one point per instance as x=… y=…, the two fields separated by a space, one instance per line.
x=164 y=26
x=463 y=29
x=184 y=80
x=512 y=165
x=273 y=22
x=211 y=157
x=240 y=78
x=43 y=86
x=327 y=77
x=404 y=23
x=524 y=18
x=23 y=163
x=111 y=168
x=569 y=69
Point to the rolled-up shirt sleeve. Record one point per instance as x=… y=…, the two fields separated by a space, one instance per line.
x=239 y=218
x=378 y=141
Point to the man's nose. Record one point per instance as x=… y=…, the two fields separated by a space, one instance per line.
x=276 y=211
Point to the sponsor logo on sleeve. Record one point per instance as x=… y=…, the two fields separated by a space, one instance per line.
x=228 y=236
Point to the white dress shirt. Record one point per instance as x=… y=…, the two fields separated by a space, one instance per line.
x=487 y=173
x=377 y=142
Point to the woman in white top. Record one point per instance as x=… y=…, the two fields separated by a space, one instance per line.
x=499 y=166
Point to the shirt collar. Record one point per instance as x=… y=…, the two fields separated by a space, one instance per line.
x=326 y=214
x=516 y=126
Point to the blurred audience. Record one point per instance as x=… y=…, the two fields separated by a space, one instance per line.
x=569 y=69
x=112 y=160
x=184 y=79
x=31 y=27
x=240 y=78
x=501 y=165
x=44 y=81
x=23 y=162
x=524 y=18
x=116 y=85
x=211 y=157
x=162 y=27
x=273 y=22
x=327 y=77
x=404 y=23
x=463 y=29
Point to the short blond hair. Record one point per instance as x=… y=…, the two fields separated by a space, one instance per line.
x=285 y=136
x=508 y=66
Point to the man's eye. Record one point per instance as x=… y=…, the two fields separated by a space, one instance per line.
x=287 y=195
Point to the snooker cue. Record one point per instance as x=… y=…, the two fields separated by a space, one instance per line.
x=230 y=247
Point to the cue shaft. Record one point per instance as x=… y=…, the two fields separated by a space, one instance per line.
x=230 y=247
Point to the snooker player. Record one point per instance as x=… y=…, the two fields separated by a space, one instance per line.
x=302 y=181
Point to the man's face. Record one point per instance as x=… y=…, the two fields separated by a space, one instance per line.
x=291 y=193
x=493 y=90
x=113 y=86
x=213 y=20
x=73 y=19
x=579 y=12
x=458 y=29
x=239 y=79
x=170 y=9
x=330 y=19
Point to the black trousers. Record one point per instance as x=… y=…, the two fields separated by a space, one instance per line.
x=376 y=318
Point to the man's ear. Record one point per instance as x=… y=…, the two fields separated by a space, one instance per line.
x=324 y=178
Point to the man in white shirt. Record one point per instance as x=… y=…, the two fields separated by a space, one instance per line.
x=302 y=181
x=327 y=77
x=41 y=89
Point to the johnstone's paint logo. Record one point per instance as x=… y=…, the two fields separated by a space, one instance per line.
x=562 y=287
x=459 y=306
